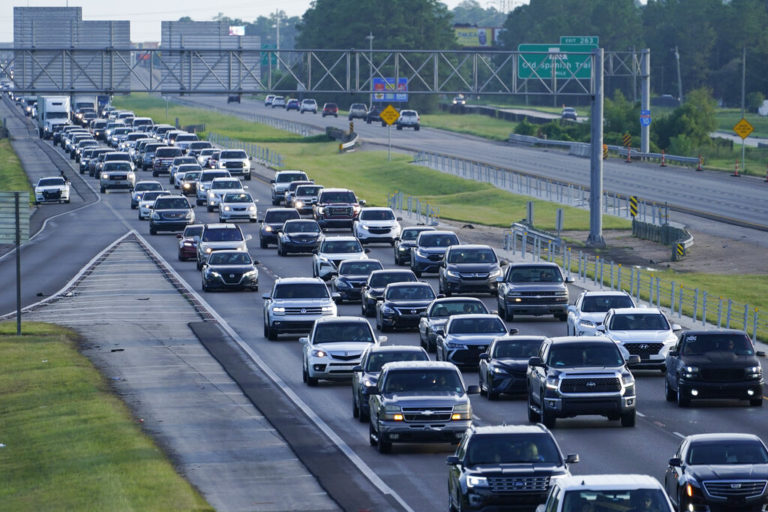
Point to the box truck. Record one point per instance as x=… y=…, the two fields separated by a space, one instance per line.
x=52 y=112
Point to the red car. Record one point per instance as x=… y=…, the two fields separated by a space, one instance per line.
x=331 y=109
x=188 y=242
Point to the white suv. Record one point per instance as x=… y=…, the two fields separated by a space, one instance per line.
x=294 y=304
x=219 y=237
x=219 y=187
x=333 y=250
x=589 y=310
x=606 y=492
x=309 y=105
x=204 y=183
x=377 y=225
x=236 y=161
x=408 y=119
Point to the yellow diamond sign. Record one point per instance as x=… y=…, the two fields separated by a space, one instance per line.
x=743 y=128
x=389 y=115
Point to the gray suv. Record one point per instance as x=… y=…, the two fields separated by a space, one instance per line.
x=469 y=268
x=282 y=181
x=533 y=289
x=294 y=304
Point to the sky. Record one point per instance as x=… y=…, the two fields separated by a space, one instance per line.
x=145 y=15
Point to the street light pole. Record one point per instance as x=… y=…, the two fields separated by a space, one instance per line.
x=369 y=37
x=277 y=41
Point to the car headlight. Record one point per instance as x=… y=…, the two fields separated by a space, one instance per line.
x=268 y=229
x=561 y=293
x=401 y=248
x=131 y=176
x=252 y=208
x=186 y=185
x=754 y=372
x=496 y=273
x=138 y=197
x=690 y=372
x=477 y=481
x=627 y=379
x=420 y=253
x=356 y=208
x=551 y=383
x=155 y=216
x=104 y=176
x=207 y=250
x=329 y=309
x=278 y=310
x=586 y=323
x=392 y=412
x=462 y=412
x=226 y=208
x=189 y=216
x=363 y=226
x=320 y=210
x=251 y=274
x=319 y=353
x=188 y=244
x=386 y=310
x=340 y=283
x=497 y=369
x=514 y=294
x=453 y=344
x=211 y=194
x=451 y=273
x=213 y=273
x=299 y=204
x=369 y=382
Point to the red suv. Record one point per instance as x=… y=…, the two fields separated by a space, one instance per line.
x=331 y=109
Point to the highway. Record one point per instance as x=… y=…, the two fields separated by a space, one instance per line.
x=417 y=473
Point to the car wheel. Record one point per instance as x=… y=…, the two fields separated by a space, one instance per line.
x=756 y=402
x=533 y=416
x=154 y=174
x=198 y=202
x=271 y=332
x=371 y=435
x=382 y=444
x=562 y=317
x=140 y=217
x=355 y=407
x=263 y=244
x=209 y=208
x=311 y=381
x=133 y=207
x=628 y=419
x=364 y=416
x=199 y=264
x=669 y=393
x=547 y=418
x=492 y=395
x=153 y=231
x=248 y=177
x=181 y=258
x=102 y=190
x=502 y=310
x=682 y=401
x=205 y=286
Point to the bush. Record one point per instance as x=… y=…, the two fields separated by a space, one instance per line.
x=525 y=127
x=755 y=101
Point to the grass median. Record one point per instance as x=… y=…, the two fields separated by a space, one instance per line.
x=70 y=443
x=12 y=176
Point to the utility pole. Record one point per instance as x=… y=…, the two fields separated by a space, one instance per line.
x=743 y=98
x=277 y=41
x=595 y=238
x=679 y=79
x=369 y=37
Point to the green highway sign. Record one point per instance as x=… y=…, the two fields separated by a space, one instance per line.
x=569 y=60
x=595 y=40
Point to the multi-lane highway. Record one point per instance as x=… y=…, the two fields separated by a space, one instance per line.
x=417 y=473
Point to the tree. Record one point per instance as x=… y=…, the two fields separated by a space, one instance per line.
x=470 y=12
x=690 y=124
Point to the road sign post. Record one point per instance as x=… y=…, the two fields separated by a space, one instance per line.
x=14 y=228
x=743 y=128
x=389 y=115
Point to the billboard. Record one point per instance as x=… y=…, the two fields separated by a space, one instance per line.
x=237 y=30
x=474 y=37
x=399 y=93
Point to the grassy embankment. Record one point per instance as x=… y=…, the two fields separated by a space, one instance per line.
x=70 y=443
x=12 y=177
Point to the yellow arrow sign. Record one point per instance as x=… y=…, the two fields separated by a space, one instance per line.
x=743 y=128
x=389 y=115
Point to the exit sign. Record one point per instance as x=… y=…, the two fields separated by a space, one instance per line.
x=595 y=40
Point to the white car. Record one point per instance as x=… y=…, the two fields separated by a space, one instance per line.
x=53 y=189
x=334 y=347
x=218 y=188
x=645 y=332
x=147 y=201
x=237 y=206
x=268 y=100
x=236 y=161
x=408 y=119
x=181 y=171
x=606 y=492
x=333 y=250
x=308 y=105
x=204 y=155
x=139 y=188
x=204 y=183
x=589 y=310
x=278 y=101
x=377 y=225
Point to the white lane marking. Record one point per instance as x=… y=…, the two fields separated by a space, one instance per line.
x=678 y=434
x=640 y=414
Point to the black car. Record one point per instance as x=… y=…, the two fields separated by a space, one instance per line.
x=433 y=322
x=402 y=305
x=428 y=252
x=406 y=241
x=719 y=473
x=272 y=222
x=504 y=365
x=714 y=364
x=373 y=289
x=230 y=270
x=374 y=115
x=352 y=275
x=298 y=235
x=469 y=268
x=507 y=467
x=366 y=375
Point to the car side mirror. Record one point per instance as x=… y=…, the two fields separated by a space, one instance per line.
x=541 y=508
x=485 y=356
x=600 y=328
x=248 y=237
x=452 y=460
x=266 y=296
x=535 y=361
x=439 y=331
x=271 y=181
x=367 y=250
x=314 y=251
x=573 y=458
x=361 y=202
x=256 y=262
x=674 y=352
x=336 y=297
x=260 y=221
x=178 y=235
x=500 y=279
x=633 y=360
x=676 y=462
x=473 y=390
x=304 y=340
x=676 y=327
x=398 y=219
x=760 y=353
x=513 y=331
x=357 y=368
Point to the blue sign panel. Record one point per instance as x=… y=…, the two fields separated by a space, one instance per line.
x=645 y=118
x=384 y=90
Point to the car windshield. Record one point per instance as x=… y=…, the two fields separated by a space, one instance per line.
x=419 y=381
x=191 y=176
x=288 y=178
x=377 y=215
x=207 y=152
x=699 y=344
x=279 y=217
x=602 y=303
x=444 y=240
x=338 y=197
x=359 y=268
x=50 y=182
x=410 y=293
x=154 y=194
x=472 y=256
x=477 y=326
x=200 y=145
x=193 y=231
x=516 y=349
x=210 y=176
x=233 y=154
x=171 y=203
x=304 y=190
x=301 y=291
x=226 y=185
x=651 y=500
x=140 y=187
x=576 y=355
x=512 y=449
x=117 y=166
x=229 y=258
x=184 y=160
x=238 y=198
x=168 y=152
x=727 y=452
x=378 y=359
x=222 y=235
x=535 y=274
x=411 y=234
x=382 y=279
x=333 y=332
x=119 y=157
x=304 y=226
x=189 y=167
x=341 y=246
x=639 y=322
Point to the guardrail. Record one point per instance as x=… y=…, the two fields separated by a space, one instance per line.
x=422 y=213
x=261 y=154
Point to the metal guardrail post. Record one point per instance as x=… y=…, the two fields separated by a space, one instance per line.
x=728 y=315
x=671 y=298
x=720 y=312
x=704 y=308
x=680 y=303
x=754 y=325
x=746 y=313
x=618 y=278
x=695 y=303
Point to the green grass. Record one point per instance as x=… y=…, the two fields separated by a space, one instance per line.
x=70 y=444
x=472 y=124
x=728 y=117
x=12 y=176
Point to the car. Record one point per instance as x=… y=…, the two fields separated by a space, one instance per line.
x=721 y=363
x=440 y=310
x=236 y=161
x=465 y=337
x=233 y=98
x=77 y=153
x=407 y=240
x=332 y=251
x=292 y=104
x=569 y=113
x=350 y=277
x=188 y=183
x=238 y=206
x=469 y=268
x=282 y=181
x=52 y=189
x=171 y=213
x=374 y=115
x=178 y=161
x=291 y=190
x=213 y=160
x=408 y=119
x=402 y=305
x=588 y=312
x=428 y=252
x=116 y=175
x=188 y=242
x=459 y=99
x=220 y=237
x=577 y=375
x=219 y=187
x=377 y=225
x=85 y=158
x=305 y=197
x=505 y=467
x=112 y=156
x=278 y=101
x=330 y=109
x=147 y=202
x=294 y=304
x=204 y=155
x=533 y=289
x=147 y=154
x=273 y=220
x=334 y=347
x=337 y=208
x=373 y=289
x=163 y=159
x=298 y=235
x=182 y=170
x=268 y=100
x=502 y=368
x=419 y=401
x=365 y=376
x=719 y=471
x=634 y=493
x=204 y=183
x=92 y=163
x=196 y=147
x=645 y=332
x=230 y=270
x=357 y=111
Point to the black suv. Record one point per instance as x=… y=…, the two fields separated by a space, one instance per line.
x=533 y=289
x=373 y=289
x=272 y=223
x=469 y=268
x=577 y=375
x=352 y=275
x=714 y=364
x=506 y=467
x=403 y=305
x=337 y=208
x=406 y=241
x=374 y=115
